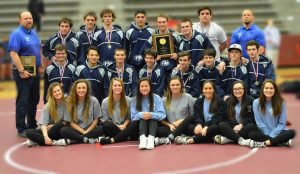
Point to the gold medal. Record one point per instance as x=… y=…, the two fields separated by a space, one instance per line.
x=256 y=83
x=109 y=46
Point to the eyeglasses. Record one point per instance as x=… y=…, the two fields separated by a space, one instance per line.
x=238 y=89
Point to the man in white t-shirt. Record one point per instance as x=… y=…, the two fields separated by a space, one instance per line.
x=213 y=31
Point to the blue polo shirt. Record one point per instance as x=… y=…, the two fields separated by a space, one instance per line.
x=242 y=36
x=25 y=43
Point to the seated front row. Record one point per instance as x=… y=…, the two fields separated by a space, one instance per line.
x=177 y=118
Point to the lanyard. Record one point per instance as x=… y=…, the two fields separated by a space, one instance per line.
x=108 y=36
x=61 y=72
x=255 y=70
x=90 y=36
x=120 y=72
x=187 y=79
x=63 y=39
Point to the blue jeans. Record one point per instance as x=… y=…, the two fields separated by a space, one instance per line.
x=28 y=97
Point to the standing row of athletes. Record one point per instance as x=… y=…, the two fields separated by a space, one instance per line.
x=73 y=57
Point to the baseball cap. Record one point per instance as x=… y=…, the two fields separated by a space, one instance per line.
x=235 y=46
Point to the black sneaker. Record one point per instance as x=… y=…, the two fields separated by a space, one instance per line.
x=105 y=141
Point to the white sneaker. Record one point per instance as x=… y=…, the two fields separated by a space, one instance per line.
x=257 y=144
x=30 y=143
x=222 y=140
x=244 y=142
x=162 y=140
x=150 y=142
x=143 y=142
x=60 y=142
x=288 y=143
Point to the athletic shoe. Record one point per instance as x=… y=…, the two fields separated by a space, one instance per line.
x=288 y=143
x=143 y=142
x=244 y=142
x=181 y=140
x=22 y=134
x=162 y=140
x=221 y=139
x=95 y=140
x=150 y=142
x=105 y=141
x=256 y=144
x=60 y=142
x=30 y=143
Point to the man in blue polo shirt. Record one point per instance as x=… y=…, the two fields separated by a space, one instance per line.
x=24 y=41
x=248 y=31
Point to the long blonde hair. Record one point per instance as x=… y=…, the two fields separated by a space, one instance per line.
x=111 y=102
x=168 y=93
x=73 y=100
x=51 y=101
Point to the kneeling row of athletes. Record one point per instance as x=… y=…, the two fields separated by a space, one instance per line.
x=178 y=117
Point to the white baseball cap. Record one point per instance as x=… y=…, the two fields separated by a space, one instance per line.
x=235 y=46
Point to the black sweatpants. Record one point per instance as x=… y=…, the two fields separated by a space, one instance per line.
x=148 y=127
x=112 y=130
x=72 y=134
x=36 y=135
x=283 y=137
x=185 y=127
x=227 y=131
x=212 y=131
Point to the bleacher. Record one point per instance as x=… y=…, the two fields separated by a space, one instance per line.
x=54 y=9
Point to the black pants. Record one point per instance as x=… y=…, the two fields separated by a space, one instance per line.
x=28 y=97
x=148 y=127
x=185 y=127
x=111 y=130
x=36 y=135
x=72 y=134
x=212 y=131
x=227 y=131
x=283 y=137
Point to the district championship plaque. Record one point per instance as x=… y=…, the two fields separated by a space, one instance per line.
x=163 y=44
x=29 y=65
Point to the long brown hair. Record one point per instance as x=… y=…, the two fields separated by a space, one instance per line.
x=111 y=102
x=52 y=103
x=168 y=93
x=232 y=101
x=73 y=101
x=139 y=96
x=277 y=99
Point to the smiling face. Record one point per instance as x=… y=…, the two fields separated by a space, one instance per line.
x=175 y=86
x=184 y=62
x=186 y=28
x=269 y=90
x=117 y=87
x=208 y=91
x=26 y=20
x=60 y=55
x=93 y=57
x=57 y=93
x=208 y=60
x=144 y=88
x=238 y=90
x=150 y=60
x=81 y=89
x=120 y=56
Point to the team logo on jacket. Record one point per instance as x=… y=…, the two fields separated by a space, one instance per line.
x=164 y=63
x=138 y=58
